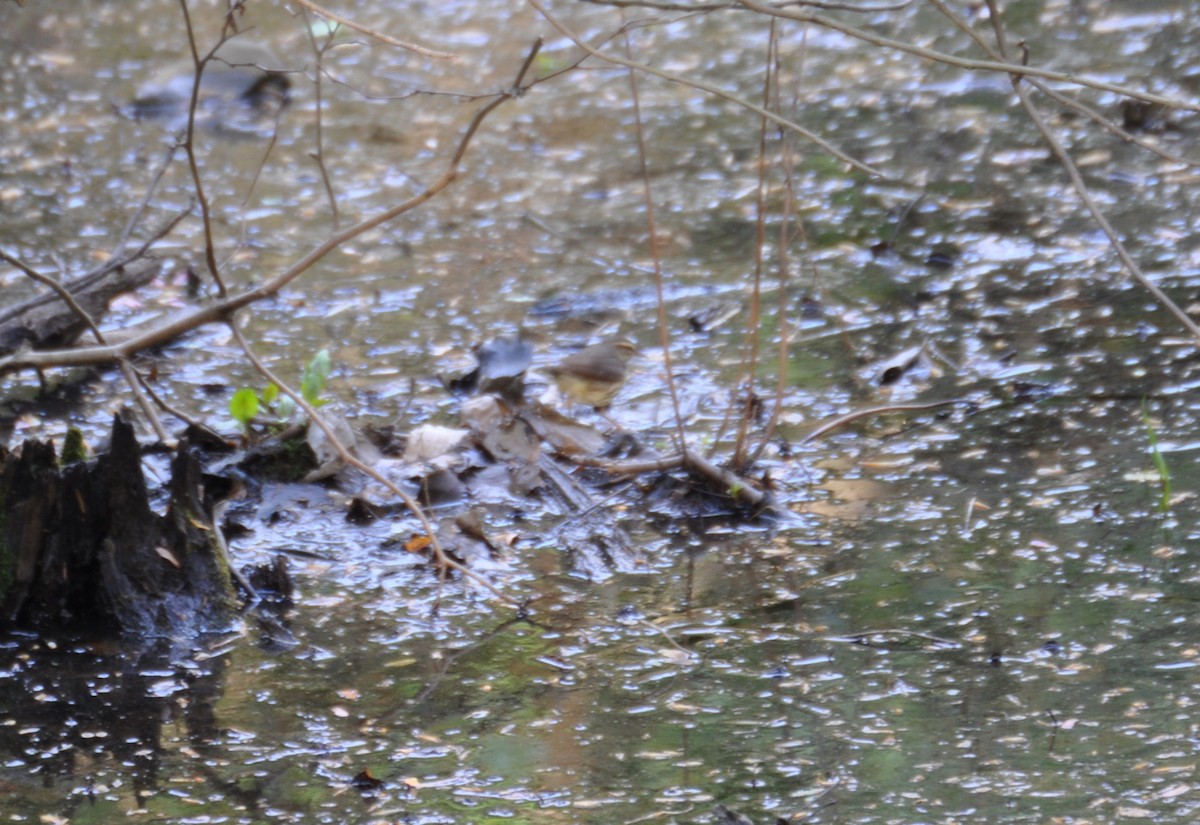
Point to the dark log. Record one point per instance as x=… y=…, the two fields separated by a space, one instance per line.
x=81 y=548
x=46 y=320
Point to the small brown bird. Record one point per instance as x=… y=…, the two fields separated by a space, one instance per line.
x=595 y=374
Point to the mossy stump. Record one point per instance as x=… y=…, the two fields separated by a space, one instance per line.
x=81 y=549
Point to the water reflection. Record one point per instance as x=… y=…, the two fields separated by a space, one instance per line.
x=74 y=712
x=976 y=616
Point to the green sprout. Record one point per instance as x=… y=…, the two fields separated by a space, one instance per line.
x=247 y=402
x=244 y=407
x=1160 y=463
x=316 y=373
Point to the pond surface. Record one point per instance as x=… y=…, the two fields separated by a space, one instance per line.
x=980 y=613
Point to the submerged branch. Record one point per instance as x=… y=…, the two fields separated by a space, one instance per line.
x=842 y=421
x=716 y=478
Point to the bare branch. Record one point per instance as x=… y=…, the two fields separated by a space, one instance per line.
x=843 y=420
x=664 y=327
x=378 y=35
x=705 y=7
x=127 y=370
x=1085 y=110
x=1081 y=189
x=716 y=91
x=965 y=62
x=318 y=154
x=58 y=289
x=199 y=63
x=162 y=332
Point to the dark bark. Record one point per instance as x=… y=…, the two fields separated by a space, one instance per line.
x=81 y=548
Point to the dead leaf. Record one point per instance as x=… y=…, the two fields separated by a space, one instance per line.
x=418 y=544
x=429 y=441
x=199 y=525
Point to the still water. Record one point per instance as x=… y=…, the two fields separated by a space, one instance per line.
x=983 y=613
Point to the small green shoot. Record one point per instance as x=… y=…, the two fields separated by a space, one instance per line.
x=247 y=403
x=1160 y=463
x=282 y=405
x=243 y=407
x=312 y=385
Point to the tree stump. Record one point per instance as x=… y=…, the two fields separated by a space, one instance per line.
x=81 y=549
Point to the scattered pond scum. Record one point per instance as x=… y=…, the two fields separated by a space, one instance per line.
x=1061 y=684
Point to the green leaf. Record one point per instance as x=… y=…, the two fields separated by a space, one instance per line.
x=270 y=394
x=244 y=405
x=1160 y=463
x=312 y=387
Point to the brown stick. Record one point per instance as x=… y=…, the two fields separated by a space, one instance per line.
x=199 y=63
x=660 y=300
x=733 y=485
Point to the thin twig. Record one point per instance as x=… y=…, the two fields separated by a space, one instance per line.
x=1082 y=190
x=198 y=63
x=134 y=381
x=664 y=328
x=841 y=421
x=262 y=164
x=726 y=481
x=716 y=91
x=965 y=62
x=162 y=232
x=706 y=7
x=127 y=370
x=318 y=154
x=169 y=409
x=754 y=322
x=1096 y=117
x=895 y=631
x=59 y=290
x=253 y=597
x=781 y=299
x=378 y=35
x=136 y=218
